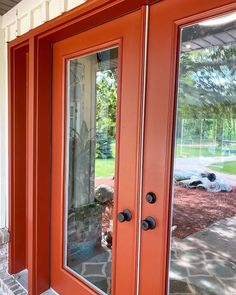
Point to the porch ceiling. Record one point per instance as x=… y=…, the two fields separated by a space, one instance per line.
x=6 y=5
x=197 y=37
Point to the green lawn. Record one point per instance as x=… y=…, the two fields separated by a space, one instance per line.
x=228 y=167
x=189 y=151
x=104 y=168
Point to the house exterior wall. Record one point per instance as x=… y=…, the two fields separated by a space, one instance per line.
x=3 y=131
x=25 y=16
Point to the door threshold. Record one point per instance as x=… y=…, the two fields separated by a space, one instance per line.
x=50 y=292
x=22 y=278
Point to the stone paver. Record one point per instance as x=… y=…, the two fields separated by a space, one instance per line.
x=8 y=284
x=205 y=262
x=13 y=285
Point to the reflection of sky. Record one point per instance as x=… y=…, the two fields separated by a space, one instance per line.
x=104 y=74
x=207 y=80
x=208 y=73
x=219 y=78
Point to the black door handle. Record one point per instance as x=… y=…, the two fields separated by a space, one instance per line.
x=124 y=216
x=148 y=223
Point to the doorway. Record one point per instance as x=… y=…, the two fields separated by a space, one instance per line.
x=142 y=146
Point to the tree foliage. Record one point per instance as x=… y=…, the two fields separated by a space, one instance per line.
x=106 y=112
x=207 y=87
x=106 y=103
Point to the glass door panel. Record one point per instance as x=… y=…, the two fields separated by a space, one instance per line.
x=203 y=231
x=90 y=162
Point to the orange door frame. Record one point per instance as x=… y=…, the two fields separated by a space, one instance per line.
x=166 y=19
x=39 y=43
x=17 y=157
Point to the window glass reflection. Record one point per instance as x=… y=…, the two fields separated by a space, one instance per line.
x=203 y=232
x=91 y=140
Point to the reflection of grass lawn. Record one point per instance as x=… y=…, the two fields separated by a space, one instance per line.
x=228 y=167
x=105 y=167
x=190 y=151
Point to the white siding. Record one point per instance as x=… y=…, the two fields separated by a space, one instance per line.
x=3 y=131
x=29 y=14
x=25 y=16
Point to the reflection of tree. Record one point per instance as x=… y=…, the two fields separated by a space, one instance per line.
x=106 y=102
x=106 y=93
x=207 y=87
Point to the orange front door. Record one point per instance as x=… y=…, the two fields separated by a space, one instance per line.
x=190 y=100
x=121 y=113
x=96 y=113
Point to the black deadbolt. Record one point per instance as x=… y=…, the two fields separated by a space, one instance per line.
x=151 y=198
x=148 y=223
x=124 y=216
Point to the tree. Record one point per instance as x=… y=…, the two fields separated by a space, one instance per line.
x=207 y=87
x=106 y=96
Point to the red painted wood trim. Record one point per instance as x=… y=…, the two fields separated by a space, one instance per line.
x=27 y=140
x=39 y=145
x=31 y=173
x=104 y=10
x=17 y=158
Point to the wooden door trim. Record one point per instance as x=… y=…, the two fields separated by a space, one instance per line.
x=96 y=11
x=17 y=124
